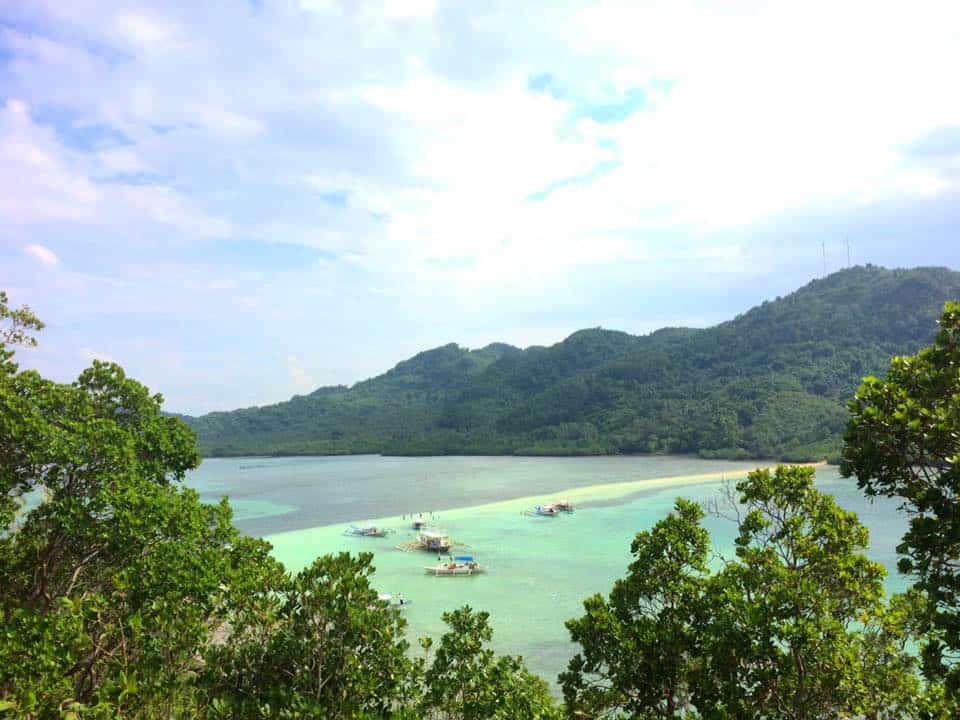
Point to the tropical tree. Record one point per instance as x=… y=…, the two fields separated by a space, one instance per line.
x=319 y=645
x=793 y=627
x=115 y=578
x=786 y=618
x=468 y=681
x=639 y=647
x=16 y=323
x=903 y=441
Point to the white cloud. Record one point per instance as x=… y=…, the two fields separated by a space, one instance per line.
x=403 y=9
x=37 y=180
x=43 y=181
x=786 y=107
x=748 y=115
x=89 y=355
x=143 y=31
x=402 y=142
x=318 y=5
x=43 y=254
x=298 y=379
x=120 y=160
x=225 y=122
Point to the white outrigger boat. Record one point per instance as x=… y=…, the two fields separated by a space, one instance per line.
x=369 y=530
x=459 y=565
x=549 y=510
x=388 y=600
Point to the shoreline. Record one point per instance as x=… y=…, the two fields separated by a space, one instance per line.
x=558 y=456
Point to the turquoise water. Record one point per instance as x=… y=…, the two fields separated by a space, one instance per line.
x=540 y=569
x=278 y=494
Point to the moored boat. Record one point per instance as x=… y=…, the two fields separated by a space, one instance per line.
x=388 y=600
x=460 y=565
x=548 y=510
x=432 y=541
x=369 y=530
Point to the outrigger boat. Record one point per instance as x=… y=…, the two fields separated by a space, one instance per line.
x=366 y=531
x=388 y=600
x=543 y=511
x=434 y=542
x=428 y=541
x=459 y=565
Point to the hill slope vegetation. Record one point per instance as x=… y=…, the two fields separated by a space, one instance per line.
x=771 y=383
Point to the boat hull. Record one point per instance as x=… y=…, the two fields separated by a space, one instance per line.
x=443 y=570
x=374 y=534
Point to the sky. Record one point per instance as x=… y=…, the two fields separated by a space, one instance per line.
x=243 y=200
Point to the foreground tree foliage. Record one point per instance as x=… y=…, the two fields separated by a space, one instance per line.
x=467 y=681
x=793 y=627
x=640 y=645
x=903 y=441
x=321 y=645
x=123 y=596
x=116 y=577
x=17 y=323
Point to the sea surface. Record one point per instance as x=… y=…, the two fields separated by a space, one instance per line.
x=539 y=569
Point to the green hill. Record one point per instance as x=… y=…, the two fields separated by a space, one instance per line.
x=769 y=383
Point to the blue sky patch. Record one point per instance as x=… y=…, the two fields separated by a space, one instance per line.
x=599 y=169
x=547 y=84
x=615 y=111
x=337 y=199
x=609 y=111
x=76 y=133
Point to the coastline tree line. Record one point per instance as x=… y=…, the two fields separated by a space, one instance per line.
x=123 y=596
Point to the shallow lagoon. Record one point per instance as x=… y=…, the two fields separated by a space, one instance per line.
x=272 y=495
x=540 y=569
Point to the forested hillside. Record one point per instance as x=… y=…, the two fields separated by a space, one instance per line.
x=770 y=383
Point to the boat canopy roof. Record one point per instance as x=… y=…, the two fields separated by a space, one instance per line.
x=464 y=558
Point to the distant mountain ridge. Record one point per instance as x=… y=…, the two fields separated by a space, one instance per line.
x=771 y=383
